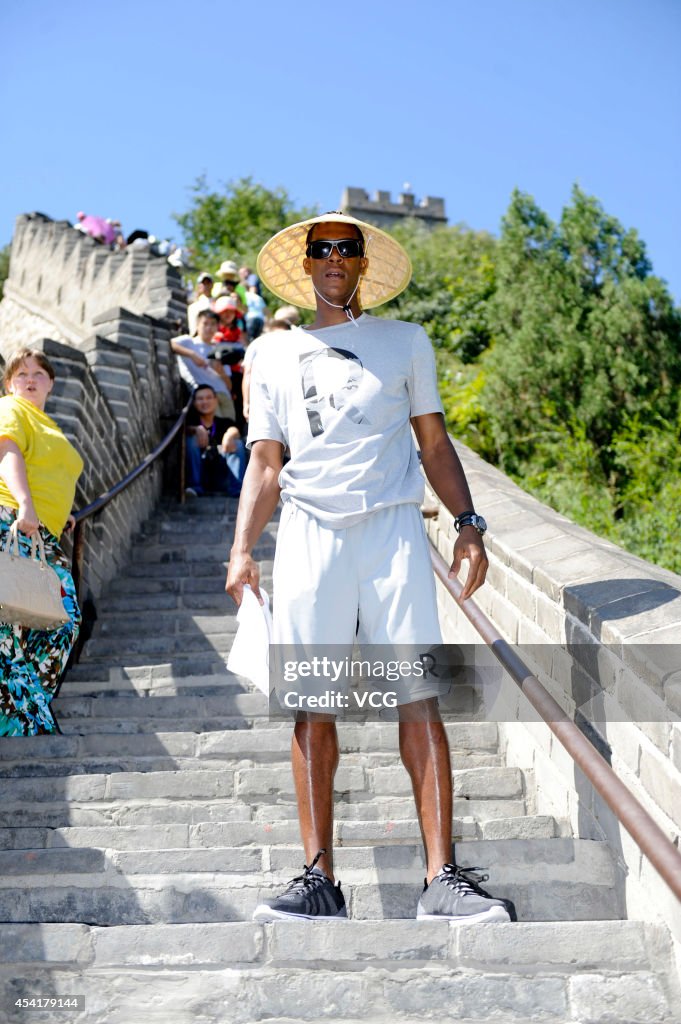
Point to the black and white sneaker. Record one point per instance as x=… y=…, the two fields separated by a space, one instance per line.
x=455 y=895
x=311 y=896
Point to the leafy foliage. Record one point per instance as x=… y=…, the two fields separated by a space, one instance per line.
x=584 y=333
x=235 y=223
x=452 y=283
x=581 y=382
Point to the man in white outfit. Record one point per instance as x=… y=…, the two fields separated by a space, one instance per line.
x=342 y=396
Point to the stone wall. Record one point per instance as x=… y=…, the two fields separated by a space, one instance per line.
x=601 y=629
x=384 y=213
x=105 y=320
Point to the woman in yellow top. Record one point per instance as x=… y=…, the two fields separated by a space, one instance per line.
x=39 y=468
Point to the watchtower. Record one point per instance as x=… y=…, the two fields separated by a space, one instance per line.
x=384 y=213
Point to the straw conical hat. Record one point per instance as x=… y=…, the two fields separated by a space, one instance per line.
x=280 y=263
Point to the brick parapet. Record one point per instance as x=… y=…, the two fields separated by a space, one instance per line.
x=385 y=213
x=105 y=319
x=601 y=629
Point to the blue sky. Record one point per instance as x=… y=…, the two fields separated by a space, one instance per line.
x=116 y=109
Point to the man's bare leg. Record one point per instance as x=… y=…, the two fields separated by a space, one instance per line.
x=314 y=758
x=424 y=749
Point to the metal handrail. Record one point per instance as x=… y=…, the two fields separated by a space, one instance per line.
x=103 y=500
x=643 y=829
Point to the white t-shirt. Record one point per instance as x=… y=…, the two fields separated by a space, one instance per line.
x=341 y=399
x=252 y=351
x=194 y=375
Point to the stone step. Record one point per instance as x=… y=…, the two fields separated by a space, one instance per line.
x=185 y=533
x=270 y=740
x=122 y=588
x=201 y=898
x=547 y=860
x=161 y=646
x=160 y=762
x=619 y=946
x=166 y=625
x=193 y=556
x=251 y=784
x=183 y=572
x=208 y=663
x=379 y=971
x=64 y=813
x=182 y=580
x=134 y=600
x=175 y=570
x=91 y=727
x=259 y=833
x=187 y=707
x=143 y=687
x=568 y=880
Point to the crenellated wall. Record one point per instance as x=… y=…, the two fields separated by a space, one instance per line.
x=381 y=210
x=601 y=629
x=105 y=319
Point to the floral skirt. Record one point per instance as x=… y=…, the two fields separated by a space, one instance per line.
x=33 y=660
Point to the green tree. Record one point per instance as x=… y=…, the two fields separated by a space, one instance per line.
x=582 y=379
x=234 y=222
x=648 y=452
x=586 y=336
x=4 y=267
x=452 y=282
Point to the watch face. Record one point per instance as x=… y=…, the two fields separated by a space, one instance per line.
x=480 y=524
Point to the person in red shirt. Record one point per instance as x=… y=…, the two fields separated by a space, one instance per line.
x=230 y=339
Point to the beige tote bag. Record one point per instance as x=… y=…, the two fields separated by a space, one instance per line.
x=30 y=590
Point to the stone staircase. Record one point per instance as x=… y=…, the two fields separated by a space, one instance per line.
x=134 y=847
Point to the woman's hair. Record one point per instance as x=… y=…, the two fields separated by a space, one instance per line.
x=15 y=360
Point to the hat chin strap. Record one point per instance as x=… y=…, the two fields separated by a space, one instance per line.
x=345 y=307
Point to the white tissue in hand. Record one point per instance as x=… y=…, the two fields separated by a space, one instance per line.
x=250 y=653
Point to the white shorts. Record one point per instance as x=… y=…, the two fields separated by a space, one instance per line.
x=377 y=571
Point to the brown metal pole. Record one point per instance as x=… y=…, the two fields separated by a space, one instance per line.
x=650 y=838
x=183 y=463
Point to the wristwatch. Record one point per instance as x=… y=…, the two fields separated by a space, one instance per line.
x=470 y=519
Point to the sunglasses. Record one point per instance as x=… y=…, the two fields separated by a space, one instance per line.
x=348 y=248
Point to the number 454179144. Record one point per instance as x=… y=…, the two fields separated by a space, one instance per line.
x=50 y=1003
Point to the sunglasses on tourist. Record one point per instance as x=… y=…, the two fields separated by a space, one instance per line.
x=348 y=248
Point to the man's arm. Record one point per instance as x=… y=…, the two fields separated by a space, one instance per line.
x=229 y=439
x=181 y=350
x=259 y=497
x=446 y=476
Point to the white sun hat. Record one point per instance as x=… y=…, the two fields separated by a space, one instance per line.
x=229 y=269
x=280 y=263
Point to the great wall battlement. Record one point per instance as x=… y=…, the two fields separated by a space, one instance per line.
x=106 y=318
x=382 y=211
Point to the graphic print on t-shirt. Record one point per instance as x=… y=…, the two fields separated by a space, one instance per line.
x=330 y=376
